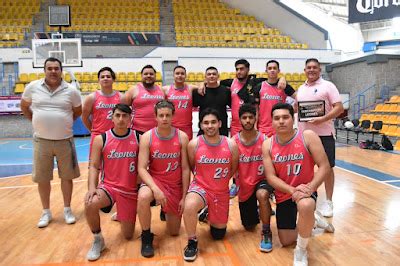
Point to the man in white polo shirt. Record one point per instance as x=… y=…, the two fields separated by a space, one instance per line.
x=52 y=105
x=317 y=89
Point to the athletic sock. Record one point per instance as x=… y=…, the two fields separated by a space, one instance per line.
x=302 y=242
x=266 y=228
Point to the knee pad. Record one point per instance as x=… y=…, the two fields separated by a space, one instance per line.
x=217 y=233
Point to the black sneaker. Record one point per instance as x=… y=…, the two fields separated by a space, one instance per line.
x=190 y=252
x=147 y=245
x=203 y=214
x=162 y=216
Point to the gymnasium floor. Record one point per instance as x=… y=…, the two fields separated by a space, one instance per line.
x=366 y=217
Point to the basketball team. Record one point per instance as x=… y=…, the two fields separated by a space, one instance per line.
x=143 y=153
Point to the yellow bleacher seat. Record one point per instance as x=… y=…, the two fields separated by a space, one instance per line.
x=199 y=76
x=131 y=76
x=394 y=108
x=392 y=131
x=391 y=119
x=378 y=108
x=397 y=145
x=41 y=75
x=19 y=88
x=376 y=118
x=86 y=77
x=158 y=76
x=23 y=78
x=67 y=77
x=122 y=86
x=191 y=77
x=288 y=77
x=78 y=76
x=33 y=76
x=121 y=76
x=394 y=99
x=384 y=129
x=386 y=108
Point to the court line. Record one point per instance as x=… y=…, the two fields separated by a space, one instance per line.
x=380 y=176
x=229 y=249
x=35 y=185
x=111 y=261
x=370 y=178
x=391 y=181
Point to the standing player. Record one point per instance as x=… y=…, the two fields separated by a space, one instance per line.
x=289 y=159
x=268 y=94
x=316 y=89
x=216 y=96
x=116 y=153
x=143 y=97
x=213 y=159
x=180 y=94
x=164 y=169
x=251 y=177
x=98 y=106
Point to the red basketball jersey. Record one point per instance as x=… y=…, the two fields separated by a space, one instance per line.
x=251 y=167
x=102 y=111
x=213 y=164
x=120 y=156
x=144 y=118
x=269 y=96
x=236 y=102
x=165 y=158
x=293 y=163
x=182 y=100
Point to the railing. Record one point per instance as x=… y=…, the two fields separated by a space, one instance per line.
x=365 y=100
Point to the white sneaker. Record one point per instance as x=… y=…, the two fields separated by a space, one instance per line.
x=327 y=209
x=68 y=216
x=97 y=247
x=45 y=219
x=321 y=222
x=114 y=217
x=300 y=257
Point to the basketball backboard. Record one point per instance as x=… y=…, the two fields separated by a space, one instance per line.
x=68 y=51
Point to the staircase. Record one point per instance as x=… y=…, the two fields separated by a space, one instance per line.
x=168 y=71
x=167 y=30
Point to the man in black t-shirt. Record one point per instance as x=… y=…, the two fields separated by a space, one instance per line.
x=216 y=96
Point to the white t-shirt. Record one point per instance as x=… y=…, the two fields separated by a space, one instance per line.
x=52 y=111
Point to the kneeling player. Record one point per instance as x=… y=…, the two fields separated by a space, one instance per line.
x=251 y=178
x=115 y=152
x=213 y=159
x=289 y=159
x=164 y=169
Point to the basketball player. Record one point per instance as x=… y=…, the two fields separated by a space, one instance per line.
x=116 y=153
x=213 y=159
x=98 y=106
x=268 y=94
x=164 y=169
x=180 y=94
x=251 y=178
x=289 y=159
x=216 y=96
x=143 y=97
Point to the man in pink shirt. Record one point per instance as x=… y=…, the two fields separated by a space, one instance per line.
x=317 y=89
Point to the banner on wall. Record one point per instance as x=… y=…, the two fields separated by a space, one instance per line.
x=371 y=10
x=109 y=38
x=10 y=105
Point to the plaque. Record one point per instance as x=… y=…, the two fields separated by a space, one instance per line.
x=310 y=109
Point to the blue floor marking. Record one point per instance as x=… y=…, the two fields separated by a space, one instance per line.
x=366 y=171
x=16 y=155
x=397 y=184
